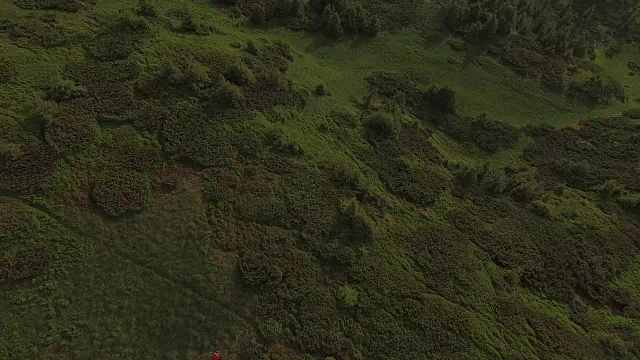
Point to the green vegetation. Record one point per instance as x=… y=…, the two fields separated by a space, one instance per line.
x=319 y=179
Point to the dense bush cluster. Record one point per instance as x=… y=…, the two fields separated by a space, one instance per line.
x=41 y=32
x=599 y=90
x=599 y=150
x=119 y=38
x=482 y=131
x=554 y=26
x=62 y=5
x=334 y=18
x=121 y=193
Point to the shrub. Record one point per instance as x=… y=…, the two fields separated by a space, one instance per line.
x=599 y=90
x=251 y=48
x=240 y=74
x=380 y=125
x=348 y=296
x=36 y=32
x=146 y=8
x=320 y=90
x=361 y=227
x=632 y=113
x=334 y=26
x=230 y=95
x=27 y=170
x=9 y=151
x=258 y=15
x=62 y=5
x=631 y=201
x=7 y=72
x=123 y=192
x=71 y=130
x=65 y=90
x=190 y=26
x=270 y=330
x=118 y=40
x=258 y=270
x=443 y=99
x=283 y=144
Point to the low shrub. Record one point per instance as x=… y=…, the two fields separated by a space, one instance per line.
x=120 y=193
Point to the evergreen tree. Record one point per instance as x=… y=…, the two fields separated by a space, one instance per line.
x=327 y=13
x=334 y=27
x=491 y=26
x=258 y=15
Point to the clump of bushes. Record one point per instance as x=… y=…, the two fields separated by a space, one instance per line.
x=380 y=125
x=7 y=72
x=348 y=296
x=239 y=74
x=482 y=131
x=118 y=39
x=320 y=90
x=65 y=90
x=229 y=95
x=257 y=270
x=61 y=5
x=361 y=226
x=123 y=192
x=270 y=330
x=146 y=9
x=71 y=130
x=599 y=90
x=190 y=25
x=284 y=144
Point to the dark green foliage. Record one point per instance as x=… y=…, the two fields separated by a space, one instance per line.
x=589 y=156
x=443 y=99
x=121 y=193
x=361 y=226
x=320 y=90
x=258 y=15
x=71 y=129
x=28 y=169
x=562 y=32
x=191 y=136
x=65 y=90
x=119 y=38
x=62 y=5
x=37 y=32
x=380 y=126
x=32 y=244
x=633 y=113
x=529 y=58
x=258 y=270
x=334 y=25
x=147 y=9
x=240 y=74
x=482 y=131
x=230 y=95
x=394 y=86
x=109 y=90
x=190 y=25
x=7 y=72
x=285 y=145
x=598 y=90
x=270 y=330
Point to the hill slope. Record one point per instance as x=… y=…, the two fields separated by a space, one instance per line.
x=183 y=177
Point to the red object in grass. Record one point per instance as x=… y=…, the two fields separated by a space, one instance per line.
x=216 y=356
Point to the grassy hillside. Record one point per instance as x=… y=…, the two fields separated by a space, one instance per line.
x=183 y=177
